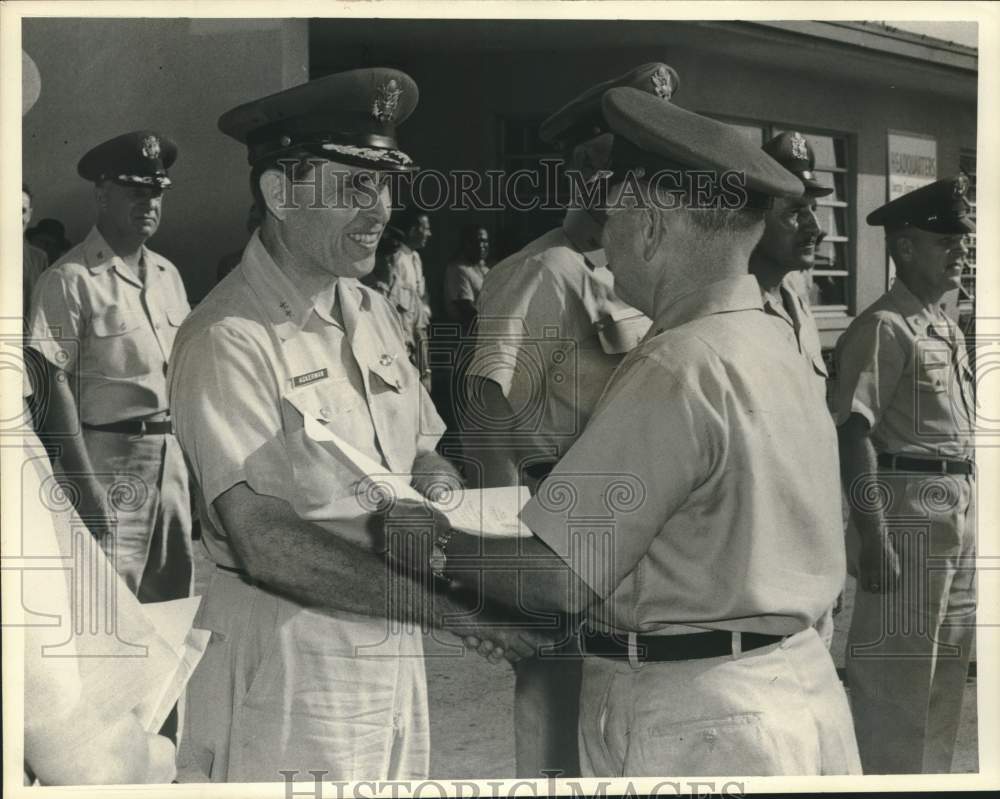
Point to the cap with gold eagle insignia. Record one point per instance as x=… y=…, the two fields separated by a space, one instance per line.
x=792 y=150
x=349 y=117
x=580 y=119
x=938 y=207
x=139 y=158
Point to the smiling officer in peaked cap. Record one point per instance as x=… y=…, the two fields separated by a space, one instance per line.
x=699 y=584
x=906 y=410
x=124 y=303
x=286 y=358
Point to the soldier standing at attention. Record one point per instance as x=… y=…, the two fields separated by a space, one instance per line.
x=119 y=304
x=905 y=408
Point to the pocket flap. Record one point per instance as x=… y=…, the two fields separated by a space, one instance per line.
x=115 y=321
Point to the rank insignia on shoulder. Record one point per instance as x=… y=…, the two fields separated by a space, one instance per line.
x=309 y=377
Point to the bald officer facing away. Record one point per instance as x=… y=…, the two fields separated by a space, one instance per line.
x=694 y=524
x=558 y=283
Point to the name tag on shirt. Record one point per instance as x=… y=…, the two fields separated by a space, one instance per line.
x=309 y=377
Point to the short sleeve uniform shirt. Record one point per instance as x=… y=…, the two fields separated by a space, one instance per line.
x=266 y=385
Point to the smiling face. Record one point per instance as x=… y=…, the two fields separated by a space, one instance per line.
x=930 y=264
x=130 y=213
x=791 y=234
x=335 y=216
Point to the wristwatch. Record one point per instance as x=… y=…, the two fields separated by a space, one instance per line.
x=439 y=553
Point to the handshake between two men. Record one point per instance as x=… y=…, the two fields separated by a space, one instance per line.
x=505 y=594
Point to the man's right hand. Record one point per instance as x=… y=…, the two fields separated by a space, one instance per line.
x=511 y=645
x=878 y=571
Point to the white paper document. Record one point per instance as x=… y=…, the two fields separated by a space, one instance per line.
x=488 y=511
x=173 y=623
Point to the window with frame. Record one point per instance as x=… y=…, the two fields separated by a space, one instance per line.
x=830 y=288
x=967 y=293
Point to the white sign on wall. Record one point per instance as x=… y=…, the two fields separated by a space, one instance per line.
x=912 y=164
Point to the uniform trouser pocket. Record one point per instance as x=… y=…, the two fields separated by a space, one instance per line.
x=740 y=744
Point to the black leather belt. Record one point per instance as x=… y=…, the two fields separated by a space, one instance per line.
x=664 y=648
x=134 y=427
x=905 y=463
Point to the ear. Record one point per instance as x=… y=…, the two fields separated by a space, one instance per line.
x=904 y=249
x=653 y=230
x=101 y=195
x=273 y=189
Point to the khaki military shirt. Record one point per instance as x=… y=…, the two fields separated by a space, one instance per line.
x=462 y=282
x=408 y=291
x=542 y=312
x=261 y=376
x=705 y=492
x=94 y=319
x=903 y=366
x=795 y=312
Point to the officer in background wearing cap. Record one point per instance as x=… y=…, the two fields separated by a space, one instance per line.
x=905 y=414
x=561 y=282
x=698 y=513
x=783 y=257
x=408 y=286
x=104 y=317
x=286 y=377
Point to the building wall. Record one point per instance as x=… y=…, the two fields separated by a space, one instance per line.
x=102 y=77
x=456 y=123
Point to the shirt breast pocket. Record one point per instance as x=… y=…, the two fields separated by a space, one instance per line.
x=116 y=343
x=320 y=419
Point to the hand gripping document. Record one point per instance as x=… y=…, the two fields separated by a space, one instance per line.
x=92 y=653
x=489 y=512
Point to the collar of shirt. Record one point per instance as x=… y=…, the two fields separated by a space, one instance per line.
x=737 y=293
x=284 y=303
x=918 y=316
x=584 y=234
x=99 y=258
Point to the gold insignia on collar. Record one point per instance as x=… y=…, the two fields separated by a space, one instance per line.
x=151 y=147
x=663 y=84
x=386 y=100
x=799 y=149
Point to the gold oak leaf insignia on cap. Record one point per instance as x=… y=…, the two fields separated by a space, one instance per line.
x=151 y=147
x=386 y=100
x=663 y=84
x=799 y=150
x=961 y=186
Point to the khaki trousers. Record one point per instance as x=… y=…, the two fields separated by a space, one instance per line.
x=908 y=652
x=777 y=710
x=146 y=481
x=283 y=688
